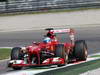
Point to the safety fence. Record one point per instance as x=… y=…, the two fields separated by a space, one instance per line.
x=40 y=5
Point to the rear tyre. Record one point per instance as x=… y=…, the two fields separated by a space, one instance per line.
x=60 y=52
x=80 y=50
x=16 y=55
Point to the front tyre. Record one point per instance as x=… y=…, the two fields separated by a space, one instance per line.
x=80 y=50
x=16 y=55
x=60 y=52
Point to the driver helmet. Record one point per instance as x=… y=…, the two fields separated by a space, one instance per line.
x=47 y=40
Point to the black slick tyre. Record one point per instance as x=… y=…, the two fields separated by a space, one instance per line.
x=15 y=55
x=80 y=50
x=60 y=52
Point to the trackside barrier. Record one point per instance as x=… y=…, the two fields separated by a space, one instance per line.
x=45 y=5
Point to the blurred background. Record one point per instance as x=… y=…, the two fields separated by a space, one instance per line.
x=45 y=5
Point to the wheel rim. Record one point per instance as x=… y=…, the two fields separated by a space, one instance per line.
x=85 y=53
x=66 y=58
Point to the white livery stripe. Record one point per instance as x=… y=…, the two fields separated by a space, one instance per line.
x=61 y=31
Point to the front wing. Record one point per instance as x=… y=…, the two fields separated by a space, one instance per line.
x=49 y=61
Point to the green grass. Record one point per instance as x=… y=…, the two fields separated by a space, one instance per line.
x=4 y=53
x=47 y=11
x=96 y=56
x=76 y=69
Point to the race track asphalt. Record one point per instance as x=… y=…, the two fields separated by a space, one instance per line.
x=24 y=38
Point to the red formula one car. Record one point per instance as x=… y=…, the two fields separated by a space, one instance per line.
x=50 y=51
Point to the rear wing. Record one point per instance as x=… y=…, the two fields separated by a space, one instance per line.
x=71 y=31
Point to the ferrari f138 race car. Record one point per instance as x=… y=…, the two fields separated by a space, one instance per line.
x=50 y=51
